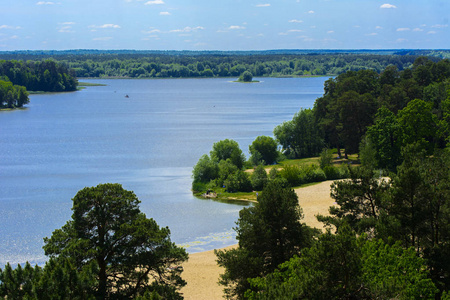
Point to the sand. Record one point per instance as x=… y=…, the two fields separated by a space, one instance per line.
x=201 y=271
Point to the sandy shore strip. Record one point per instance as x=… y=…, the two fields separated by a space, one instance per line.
x=201 y=271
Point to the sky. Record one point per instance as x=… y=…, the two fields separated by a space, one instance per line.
x=224 y=25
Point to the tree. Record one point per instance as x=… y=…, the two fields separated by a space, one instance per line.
x=246 y=77
x=300 y=137
x=269 y=233
x=228 y=149
x=418 y=124
x=342 y=266
x=359 y=201
x=259 y=178
x=385 y=136
x=263 y=149
x=131 y=253
x=204 y=171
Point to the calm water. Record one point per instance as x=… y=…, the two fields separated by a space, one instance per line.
x=148 y=142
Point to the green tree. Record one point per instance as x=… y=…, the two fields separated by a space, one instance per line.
x=385 y=136
x=132 y=253
x=359 y=201
x=300 y=137
x=228 y=149
x=263 y=149
x=238 y=182
x=342 y=266
x=418 y=124
x=259 y=178
x=246 y=77
x=269 y=233
x=205 y=170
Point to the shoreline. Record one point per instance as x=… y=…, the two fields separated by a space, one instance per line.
x=201 y=271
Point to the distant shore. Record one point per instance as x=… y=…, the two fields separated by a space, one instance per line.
x=202 y=272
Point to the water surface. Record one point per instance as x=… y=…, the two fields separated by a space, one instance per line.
x=148 y=142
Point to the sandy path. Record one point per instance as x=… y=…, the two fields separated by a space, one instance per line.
x=201 y=271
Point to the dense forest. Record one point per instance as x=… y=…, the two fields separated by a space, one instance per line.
x=182 y=64
x=47 y=75
x=388 y=234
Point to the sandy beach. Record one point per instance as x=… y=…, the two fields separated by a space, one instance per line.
x=201 y=271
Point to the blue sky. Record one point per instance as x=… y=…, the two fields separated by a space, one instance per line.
x=224 y=25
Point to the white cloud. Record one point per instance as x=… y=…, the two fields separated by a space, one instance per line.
x=330 y=31
x=152 y=31
x=431 y=32
x=417 y=29
x=164 y=13
x=153 y=2
x=310 y=12
x=295 y=21
x=263 y=5
x=106 y=38
x=233 y=27
x=67 y=23
x=372 y=34
x=403 y=29
x=387 y=5
x=105 y=26
x=401 y=40
x=8 y=27
x=188 y=29
x=439 y=26
x=45 y=3
x=295 y=30
x=66 y=29
x=378 y=27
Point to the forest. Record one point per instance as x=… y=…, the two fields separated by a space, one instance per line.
x=183 y=64
x=388 y=234
x=18 y=77
x=386 y=237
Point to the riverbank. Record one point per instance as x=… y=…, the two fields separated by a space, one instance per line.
x=201 y=272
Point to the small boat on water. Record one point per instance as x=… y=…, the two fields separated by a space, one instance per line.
x=126 y=96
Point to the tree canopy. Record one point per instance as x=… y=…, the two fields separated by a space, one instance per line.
x=130 y=253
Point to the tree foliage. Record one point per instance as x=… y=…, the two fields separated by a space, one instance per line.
x=47 y=75
x=263 y=150
x=300 y=137
x=130 y=253
x=269 y=233
x=12 y=96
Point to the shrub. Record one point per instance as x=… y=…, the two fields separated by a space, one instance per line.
x=259 y=178
x=238 y=182
x=292 y=174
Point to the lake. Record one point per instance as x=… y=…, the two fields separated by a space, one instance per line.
x=148 y=142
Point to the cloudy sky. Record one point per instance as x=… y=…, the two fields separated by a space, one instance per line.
x=224 y=25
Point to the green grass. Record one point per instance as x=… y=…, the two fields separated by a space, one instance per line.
x=90 y=84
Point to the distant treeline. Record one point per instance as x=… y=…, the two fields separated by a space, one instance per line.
x=183 y=64
x=47 y=75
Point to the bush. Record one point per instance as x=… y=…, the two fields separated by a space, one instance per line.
x=205 y=169
x=312 y=173
x=259 y=178
x=238 y=182
x=331 y=172
x=292 y=174
x=199 y=187
x=326 y=158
